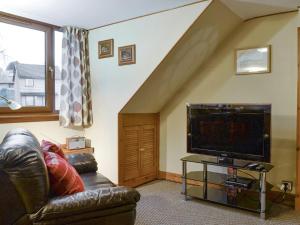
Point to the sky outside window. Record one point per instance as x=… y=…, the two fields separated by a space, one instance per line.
x=21 y=44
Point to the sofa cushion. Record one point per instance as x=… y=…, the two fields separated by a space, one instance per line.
x=86 y=202
x=83 y=162
x=64 y=180
x=95 y=180
x=122 y=215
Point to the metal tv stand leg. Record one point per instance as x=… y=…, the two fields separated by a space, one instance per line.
x=205 y=181
x=262 y=180
x=184 y=188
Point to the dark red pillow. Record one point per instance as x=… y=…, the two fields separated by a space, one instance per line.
x=64 y=180
x=51 y=147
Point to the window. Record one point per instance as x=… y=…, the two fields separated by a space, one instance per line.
x=30 y=65
x=29 y=100
x=32 y=99
x=29 y=82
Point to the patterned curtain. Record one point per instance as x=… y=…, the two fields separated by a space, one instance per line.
x=75 y=100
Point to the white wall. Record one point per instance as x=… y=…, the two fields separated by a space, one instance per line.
x=113 y=85
x=217 y=83
x=49 y=130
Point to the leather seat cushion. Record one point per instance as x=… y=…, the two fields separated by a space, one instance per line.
x=95 y=180
x=83 y=162
x=85 y=202
x=123 y=215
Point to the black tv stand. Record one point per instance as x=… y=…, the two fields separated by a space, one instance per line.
x=243 y=193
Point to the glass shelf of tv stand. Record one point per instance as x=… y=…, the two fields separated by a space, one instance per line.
x=237 y=163
x=242 y=200
x=220 y=178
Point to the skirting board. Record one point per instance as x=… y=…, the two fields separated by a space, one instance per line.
x=174 y=177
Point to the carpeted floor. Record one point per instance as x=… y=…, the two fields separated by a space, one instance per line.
x=162 y=204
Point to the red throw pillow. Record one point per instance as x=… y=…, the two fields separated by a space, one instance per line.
x=64 y=180
x=51 y=147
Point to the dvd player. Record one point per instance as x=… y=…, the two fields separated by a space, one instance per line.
x=239 y=182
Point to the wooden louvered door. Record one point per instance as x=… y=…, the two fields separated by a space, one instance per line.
x=131 y=161
x=147 y=150
x=138 y=148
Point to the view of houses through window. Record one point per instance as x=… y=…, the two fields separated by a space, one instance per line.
x=22 y=65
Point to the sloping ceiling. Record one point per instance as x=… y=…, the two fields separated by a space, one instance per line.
x=87 y=14
x=190 y=52
x=95 y=13
x=247 y=9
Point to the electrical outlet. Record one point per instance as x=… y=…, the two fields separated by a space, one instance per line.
x=286 y=185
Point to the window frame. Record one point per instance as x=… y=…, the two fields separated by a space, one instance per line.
x=36 y=113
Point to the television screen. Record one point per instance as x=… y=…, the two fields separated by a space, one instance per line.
x=236 y=131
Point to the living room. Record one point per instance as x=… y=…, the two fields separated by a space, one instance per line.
x=181 y=54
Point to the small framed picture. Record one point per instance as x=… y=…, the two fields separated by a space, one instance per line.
x=253 y=60
x=127 y=55
x=106 y=48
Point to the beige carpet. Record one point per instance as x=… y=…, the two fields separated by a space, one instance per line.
x=162 y=204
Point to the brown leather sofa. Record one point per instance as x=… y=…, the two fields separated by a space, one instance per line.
x=25 y=193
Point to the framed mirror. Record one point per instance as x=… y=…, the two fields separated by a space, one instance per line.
x=253 y=60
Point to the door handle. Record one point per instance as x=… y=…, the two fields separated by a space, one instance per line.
x=142 y=149
x=51 y=70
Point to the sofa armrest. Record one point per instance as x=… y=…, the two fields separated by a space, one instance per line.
x=87 y=201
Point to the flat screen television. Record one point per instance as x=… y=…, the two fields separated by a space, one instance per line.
x=229 y=130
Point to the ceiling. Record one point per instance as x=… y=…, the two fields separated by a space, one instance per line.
x=94 y=13
x=247 y=9
x=86 y=13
